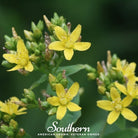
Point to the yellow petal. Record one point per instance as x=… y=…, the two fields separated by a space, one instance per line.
x=82 y=46
x=136 y=78
x=20 y=111
x=53 y=101
x=61 y=111
x=60 y=90
x=118 y=65
x=21 y=49
x=29 y=67
x=73 y=107
x=128 y=114
x=131 y=68
x=114 y=94
x=121 y=88
x=57 y=45
x=112 y=117
x=14 y=99
x=11 y=58
x=73 y=90
x=60 y=33
x=68 y=53
x=131 y=86
x=127 y=101
x=75 y=34
x=105 y=104
x=16 y=68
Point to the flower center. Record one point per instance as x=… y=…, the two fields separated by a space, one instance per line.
x=69 y=44
x=63 y=101
x=118 y=107
x=23 y=62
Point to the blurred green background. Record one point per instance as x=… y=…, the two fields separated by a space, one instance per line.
x=107 y=24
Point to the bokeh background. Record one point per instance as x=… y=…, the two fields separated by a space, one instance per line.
x=107 y=24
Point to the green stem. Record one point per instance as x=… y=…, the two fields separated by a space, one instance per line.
x=42 y=79
x=58 y=63
x=103 y=130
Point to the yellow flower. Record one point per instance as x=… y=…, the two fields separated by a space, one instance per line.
x=131 y=91
x=10 y=107
x=117 y=107
x=68 y=42
x=128 y=70
x=63 y=100
x=21 y=58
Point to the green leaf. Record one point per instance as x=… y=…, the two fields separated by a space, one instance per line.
x=71 y=69
x=126 y=133
x=42 y=79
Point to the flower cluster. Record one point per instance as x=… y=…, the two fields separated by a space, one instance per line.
x=42 y=51
x=8 y=111
x=116 y=80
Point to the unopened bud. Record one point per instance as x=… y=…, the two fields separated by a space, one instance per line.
x=6 y=118
x=37 y=34
x=47 y=22
x=99 y=67
x=28 y=35
x=101 y=89
x=29 y=94
x=52 y=111
x=6 y=64
x=91 y=76
x=44 y=104
x=10 y=45
x=108 y=95
x=114 y=59
x=10 y=133
x=40 y=25
x=52 y=78
x=4 y=128
x=89 y=68
x=13 y=124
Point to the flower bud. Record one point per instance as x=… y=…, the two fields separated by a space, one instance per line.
x=99 y=67
x=10 y=133
x=6 y=118
x=52 y=111
x=91 y=76
x=101 y=90
x=37 y=34
x=7 y=38
x=108 y=95
x=6 y=64
x=4 y=128
x=28 y=35
x=40 y=25
x=13 y=124
x=24 y=100
x=107 y=80
x=29 y=95
x=10 y=45
x=44 y=104
x=64 y=82
x=37 y=52
x=89 y=68
x=52 y=78
x=34 y=58
x=114 y=59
